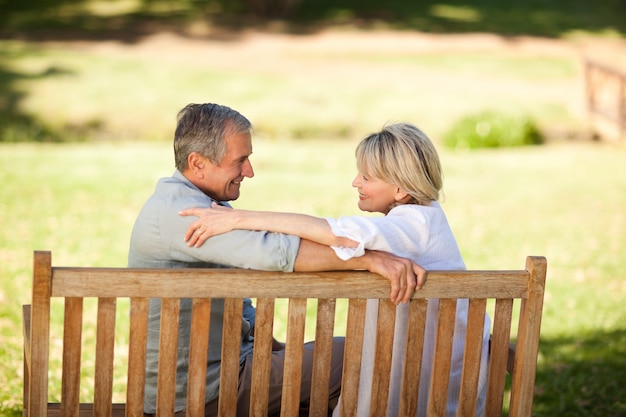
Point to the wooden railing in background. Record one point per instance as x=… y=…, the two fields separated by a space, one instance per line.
x=606 y=100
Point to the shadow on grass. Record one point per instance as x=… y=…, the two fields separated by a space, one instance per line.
x=582 y=375
x=16 y=124
x=543 y=18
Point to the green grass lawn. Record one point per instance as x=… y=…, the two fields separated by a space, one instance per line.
x=563 y=201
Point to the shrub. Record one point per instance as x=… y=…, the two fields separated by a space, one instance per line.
x=21 y=128
x=491 y=129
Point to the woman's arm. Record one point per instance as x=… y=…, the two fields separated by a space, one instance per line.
x=217 y=220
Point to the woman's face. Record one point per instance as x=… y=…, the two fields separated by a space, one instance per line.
x=375 y=195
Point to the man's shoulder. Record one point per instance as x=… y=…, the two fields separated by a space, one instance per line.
x=180 y=193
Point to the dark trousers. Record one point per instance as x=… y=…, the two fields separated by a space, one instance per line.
x=276 y=381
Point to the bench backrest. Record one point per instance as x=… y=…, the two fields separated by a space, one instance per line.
x=202 y=285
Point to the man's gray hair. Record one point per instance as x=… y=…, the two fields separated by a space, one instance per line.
x=202 y=128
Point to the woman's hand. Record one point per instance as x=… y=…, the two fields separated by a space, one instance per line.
x=211 y=221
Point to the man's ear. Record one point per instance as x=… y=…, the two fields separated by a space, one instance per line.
x=196 y=163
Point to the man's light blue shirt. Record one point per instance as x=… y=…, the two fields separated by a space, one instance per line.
x=157 y=241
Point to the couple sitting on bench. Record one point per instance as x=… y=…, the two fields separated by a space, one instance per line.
x=184 y=225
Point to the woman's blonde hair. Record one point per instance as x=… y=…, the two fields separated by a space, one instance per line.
x=401 y=154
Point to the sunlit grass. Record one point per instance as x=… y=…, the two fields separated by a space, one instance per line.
x=460 y=13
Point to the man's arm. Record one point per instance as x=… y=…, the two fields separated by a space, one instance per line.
x=404 y=275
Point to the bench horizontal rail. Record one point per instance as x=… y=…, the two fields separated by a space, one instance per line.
x=86 y=410
x=127 y=282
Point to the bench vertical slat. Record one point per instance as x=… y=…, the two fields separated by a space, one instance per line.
x=198 y=352
x=353 y=351
x=72 y=343
x=498 y=356
x=137 y=340
x=382 y=357
x=322 y=356
x=525 y=367
x=231 y=344
x=262 y=359
x=168 y=352
x=472 y=356
x=292 y=375
x=40 y=333
x=413 y=357
x=26 y=335
x=105 y=341
x=443 y=356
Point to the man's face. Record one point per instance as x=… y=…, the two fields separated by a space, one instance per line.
x=222 y=182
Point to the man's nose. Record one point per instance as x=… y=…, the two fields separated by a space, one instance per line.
x=247 y=170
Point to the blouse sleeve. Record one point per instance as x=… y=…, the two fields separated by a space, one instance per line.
x=365 y=231
x=403 y=230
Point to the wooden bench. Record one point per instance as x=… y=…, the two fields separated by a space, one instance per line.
x=109 y=285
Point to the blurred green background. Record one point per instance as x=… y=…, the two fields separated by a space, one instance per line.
x=89 y=91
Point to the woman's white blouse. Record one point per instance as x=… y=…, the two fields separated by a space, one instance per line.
x=422 y=234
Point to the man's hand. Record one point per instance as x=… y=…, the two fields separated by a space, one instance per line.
x=404 y=275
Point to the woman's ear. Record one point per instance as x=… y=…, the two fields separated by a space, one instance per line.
x=401 y=196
